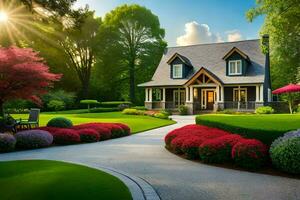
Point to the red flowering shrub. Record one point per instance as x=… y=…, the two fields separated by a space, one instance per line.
x=190 y=146
x=218 y=150
x=116 y=130
x=176 y=145
x=125 y=128
x=104 y=132
x=88 y=135
x=250 y=153
x=65 y=136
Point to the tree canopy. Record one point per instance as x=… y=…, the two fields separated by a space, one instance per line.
x=24 y=75
x=137 y=32
x=283 y=25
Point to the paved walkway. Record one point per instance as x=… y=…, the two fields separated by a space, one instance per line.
x=143 y=155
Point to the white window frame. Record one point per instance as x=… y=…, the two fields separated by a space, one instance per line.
x=175 y=66
x=235 y=67
x=239 y=94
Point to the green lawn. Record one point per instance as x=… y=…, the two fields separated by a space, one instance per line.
x=282 y=122
x=137 y=123
x=41 y=179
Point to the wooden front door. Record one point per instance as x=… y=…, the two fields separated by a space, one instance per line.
x=210 y=100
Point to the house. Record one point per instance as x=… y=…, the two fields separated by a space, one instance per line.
x=230 y=75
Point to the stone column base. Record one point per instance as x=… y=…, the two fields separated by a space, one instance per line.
x=190 y=106
x=218 y=106
x=259 y=104
x=148 y=105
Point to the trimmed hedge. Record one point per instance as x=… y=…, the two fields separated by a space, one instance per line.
x=114 y=104
x=101 y=110
x=265 y=136
x=7 y=142
x=60 y=122
x=32 y=139
x=104 y=132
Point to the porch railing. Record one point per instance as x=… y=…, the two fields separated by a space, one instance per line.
x=248 y=105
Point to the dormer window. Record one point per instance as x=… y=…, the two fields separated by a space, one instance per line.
x=177 y=71
x=235 y=67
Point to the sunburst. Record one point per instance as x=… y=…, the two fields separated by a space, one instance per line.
x=18 y=24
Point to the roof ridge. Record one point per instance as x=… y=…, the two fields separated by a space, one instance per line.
x=216 y=43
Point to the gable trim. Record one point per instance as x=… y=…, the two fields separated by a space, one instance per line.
x=177 y=55
x=205 y=71
x=234 y=49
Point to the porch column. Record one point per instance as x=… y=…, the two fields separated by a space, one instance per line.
x=261 y=93
x=257 y=93
x=220 y=98
x=222 y=94
x=191 y=94
x=163 y=101
x=148 y=101
x=146 y=94
x=150 y=94
x=189 y=100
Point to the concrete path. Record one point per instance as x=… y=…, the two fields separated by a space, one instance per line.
x=143 y=155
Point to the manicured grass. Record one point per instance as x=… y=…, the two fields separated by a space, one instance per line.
x=263 y=127
x=41 y=179
x=137 y=123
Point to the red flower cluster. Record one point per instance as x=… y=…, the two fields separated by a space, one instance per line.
x=89 y=132
x=213 y=145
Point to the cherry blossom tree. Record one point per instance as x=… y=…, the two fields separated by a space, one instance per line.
x=23 y=75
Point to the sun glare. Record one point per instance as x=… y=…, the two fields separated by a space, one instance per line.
x=3 y=16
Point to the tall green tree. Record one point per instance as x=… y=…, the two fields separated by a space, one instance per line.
x=283 y=25
x=137 y=31
x=79 y=45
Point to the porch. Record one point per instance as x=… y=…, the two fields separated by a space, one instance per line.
x=205 y=97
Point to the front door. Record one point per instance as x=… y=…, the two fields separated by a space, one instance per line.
x=210 y=100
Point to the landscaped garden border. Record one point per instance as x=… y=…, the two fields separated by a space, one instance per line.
x=216 y=146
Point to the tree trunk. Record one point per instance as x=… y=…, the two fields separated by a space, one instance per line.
x=1 y=109
x=85 y=88
x=291 y=106
x=132 y=81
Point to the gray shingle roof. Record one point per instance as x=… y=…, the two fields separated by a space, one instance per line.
x=210 y=57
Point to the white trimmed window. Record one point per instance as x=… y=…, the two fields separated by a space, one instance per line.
x=235 y=67
x=177 y=71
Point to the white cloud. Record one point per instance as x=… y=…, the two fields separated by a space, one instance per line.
x=234 y=35
x=197 y=33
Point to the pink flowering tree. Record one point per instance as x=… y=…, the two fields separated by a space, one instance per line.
x=23 y=75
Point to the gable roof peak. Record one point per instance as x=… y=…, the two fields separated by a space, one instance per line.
x=235 y=49
x=184 y=59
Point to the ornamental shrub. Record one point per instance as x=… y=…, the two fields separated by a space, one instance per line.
x=116 y=130
x=104 y=132
x=60 y=122
x=56 y=105
x=115 y=104
x=176 y=144
x=285 y=155
x=190 y=147
x=288 y=135
x=31 y=139
x=65 y=136
x=161 y=116
x=126 y=129
x=218 y=150
x=131 y=111
x=249 y=153
x=264 y=110
x=7 y=142
x=88 y=135
x=183 y=110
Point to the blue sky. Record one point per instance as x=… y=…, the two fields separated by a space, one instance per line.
x=194 y=21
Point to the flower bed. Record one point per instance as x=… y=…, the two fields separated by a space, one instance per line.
x=212 y=145
x=62 y=134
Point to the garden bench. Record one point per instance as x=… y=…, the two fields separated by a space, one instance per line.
x=31 y=122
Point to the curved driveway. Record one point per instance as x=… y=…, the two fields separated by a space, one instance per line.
x=144 y=155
